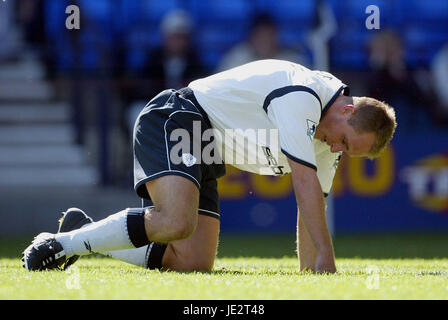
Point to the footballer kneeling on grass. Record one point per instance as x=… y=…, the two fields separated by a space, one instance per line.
x=311 y=119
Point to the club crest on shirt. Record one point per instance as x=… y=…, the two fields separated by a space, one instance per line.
x=188 y=159
x=311 y=130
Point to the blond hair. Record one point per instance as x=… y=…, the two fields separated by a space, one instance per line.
x=371 y=115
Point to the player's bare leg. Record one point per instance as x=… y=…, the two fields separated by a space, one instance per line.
x=196 y=253
x=174 y=217
x=175 y=212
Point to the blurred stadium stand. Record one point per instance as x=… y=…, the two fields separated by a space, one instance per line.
x=36 y=137
x=221 y=24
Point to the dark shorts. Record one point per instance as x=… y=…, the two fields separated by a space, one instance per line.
x=168 y=111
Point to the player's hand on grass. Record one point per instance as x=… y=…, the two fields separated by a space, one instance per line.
x=325 y=262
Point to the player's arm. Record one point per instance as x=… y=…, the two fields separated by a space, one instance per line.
x=305 y=247
x=296 y=110
x=311 y=220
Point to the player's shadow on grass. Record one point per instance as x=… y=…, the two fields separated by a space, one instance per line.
x=243 y=272
x=255 y=272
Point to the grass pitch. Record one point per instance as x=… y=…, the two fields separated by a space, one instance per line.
x=409 y=266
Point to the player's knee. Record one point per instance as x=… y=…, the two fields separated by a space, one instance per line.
x=183 y=227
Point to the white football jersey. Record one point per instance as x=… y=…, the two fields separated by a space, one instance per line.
x=268 y=110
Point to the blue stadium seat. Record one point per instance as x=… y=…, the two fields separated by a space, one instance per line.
x=352 y=13
x=90 y=44
x=221 y=11
x=420 y=10
x=289 y=12
x=147 y=12
x=349 y=46
x=422 y=43
x=90 y=59
x=210 y=58
x=136 y=58
x=98 y=10
x=291 y=37
x=64 y=56
x=352 y=60
x=294 y=18
x=140 y=39
x=55 y=17
x=218 y=38
x=357 y=8
x=213 y=43
x=220 y=24
x=130 y=12
x=349 y=49
x=142 y=36
x=425 y=29
x=97 y=22
x=153 y=11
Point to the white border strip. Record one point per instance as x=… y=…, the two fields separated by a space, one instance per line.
x=211 y=212
x=178 y=171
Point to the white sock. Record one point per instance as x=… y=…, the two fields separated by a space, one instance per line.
x=137 y=256
x=105 y=235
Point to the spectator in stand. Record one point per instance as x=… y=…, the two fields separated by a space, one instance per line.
x=172 y=65
x=440 y=79
x=392 y=80
x=262 y=43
